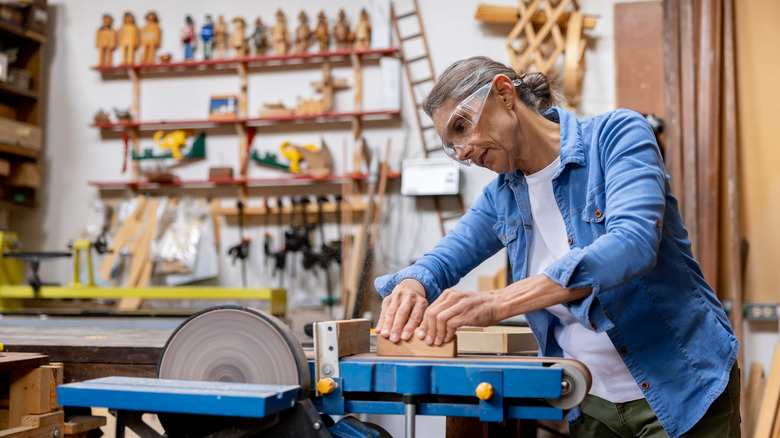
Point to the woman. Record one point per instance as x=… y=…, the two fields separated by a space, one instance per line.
x=601 y=261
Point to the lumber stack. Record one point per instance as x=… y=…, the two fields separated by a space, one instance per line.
x=28 y=399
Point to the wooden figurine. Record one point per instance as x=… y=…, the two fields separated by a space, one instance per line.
x=238 y=38
x=303 y=34
x=220 y=38
x=258 y=37
x=279 y=34
x=106 y=41
x=341 y=31
x=362 y=34
x=150 y=38
x=321 y=32
x=207 y=36
x=188 y=37
x=128 y=39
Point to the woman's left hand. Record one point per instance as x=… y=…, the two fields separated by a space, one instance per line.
x=456 y=308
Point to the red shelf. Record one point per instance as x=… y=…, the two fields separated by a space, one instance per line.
x=281 y=180
x=252 y=121
x=216 y=64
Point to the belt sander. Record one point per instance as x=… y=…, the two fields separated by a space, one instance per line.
x=237 y=371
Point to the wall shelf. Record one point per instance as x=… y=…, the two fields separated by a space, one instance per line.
x=10 y=90
x=21 y=33
x=250 y=121
x=216 y=65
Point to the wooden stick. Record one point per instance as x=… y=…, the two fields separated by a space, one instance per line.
x=769 y=403
x=383 y=171
x=510 y=15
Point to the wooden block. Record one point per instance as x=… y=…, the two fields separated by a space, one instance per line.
x=37 y=426
x=83 y=423
x=415 y=347
x=30 y=393
x=354 y=336
x=56 y=378
x=5 y=167
x=496 y=339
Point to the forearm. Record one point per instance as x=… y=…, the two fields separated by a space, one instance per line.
x=533 y=293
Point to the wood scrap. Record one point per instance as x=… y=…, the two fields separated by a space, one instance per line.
x=354 y=336
x=496 y=340
x=753 y=395
x=769 y=402
x=125 y=235
x=415 y=347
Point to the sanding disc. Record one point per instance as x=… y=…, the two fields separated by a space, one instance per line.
x=235 y=344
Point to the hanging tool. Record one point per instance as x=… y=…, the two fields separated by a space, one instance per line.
x=280 y=257
x=267 y=235
x=326 y=253
x=311 y=259
x=240 y=250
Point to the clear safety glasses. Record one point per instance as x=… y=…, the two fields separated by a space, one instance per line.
x=461 y=124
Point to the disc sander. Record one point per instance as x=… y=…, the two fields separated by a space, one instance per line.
x=235 y=344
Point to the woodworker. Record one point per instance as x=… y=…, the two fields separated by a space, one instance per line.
x=128 y=39
x=150 y=38
x=105 y=41
x=601 y=262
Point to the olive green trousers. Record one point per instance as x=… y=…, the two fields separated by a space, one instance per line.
x=603 y=419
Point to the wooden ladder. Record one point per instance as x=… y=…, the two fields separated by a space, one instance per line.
x=421 y=77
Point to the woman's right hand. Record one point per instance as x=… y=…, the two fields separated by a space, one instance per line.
x=402 y=311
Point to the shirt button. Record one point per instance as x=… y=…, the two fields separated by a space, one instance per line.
x=645 y=385
x=658 y=223
x=571 y=241
x=594 y=326
x=504 y=237
x=597 y=213
x=623 y=350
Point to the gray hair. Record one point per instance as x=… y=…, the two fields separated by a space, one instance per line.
x=464 y=77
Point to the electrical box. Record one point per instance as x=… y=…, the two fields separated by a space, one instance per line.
x=430 y=176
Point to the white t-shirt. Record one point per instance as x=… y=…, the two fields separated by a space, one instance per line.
x=611 y=379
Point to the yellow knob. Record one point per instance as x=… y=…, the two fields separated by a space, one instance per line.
x=484 y=391
x=326 y=385
x=2 y=347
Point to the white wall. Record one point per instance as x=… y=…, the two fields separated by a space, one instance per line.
x=75 y=153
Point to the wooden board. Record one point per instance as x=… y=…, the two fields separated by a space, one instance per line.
x=83 y=423
x=415 y=347
x=753 y=395
x=354 y=336
x=496 y=339
x=639 y=60
x=38 y=426
x=769 y=403
x=12 y=361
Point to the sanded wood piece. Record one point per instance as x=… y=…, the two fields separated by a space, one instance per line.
x=415 y=347
x=496 y=340
x=354 y=336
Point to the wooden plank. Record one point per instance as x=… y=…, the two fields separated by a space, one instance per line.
x=496 y=339
x=510 y=15
x=34 y=391
x=769 y=403
x=639 y=60
x=708 y=109
x=753 y=395
x=354 y=336
x=125 y=235
x=672 y=130
x=38 y=426
x=415 y=347
x=83 y=423
x=688 y=122
x=12 y=361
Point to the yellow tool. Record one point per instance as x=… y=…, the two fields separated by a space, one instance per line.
x=292 y=153
x=173 y=141
x=86 y=246
x=11 y=271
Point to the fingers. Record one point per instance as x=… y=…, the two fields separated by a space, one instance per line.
x=387 y=317
x=414 y=320
x=400 y=319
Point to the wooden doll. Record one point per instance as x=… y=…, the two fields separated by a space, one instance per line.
x=207 y=36
x=279 y=34
x=341 y=31
x=238 y=38
x=321 y=32
x=150 y=38
x=220 y=38
x=105 y=41
x=258 y=37
x=362 y=34
x=188 y=37
x=128 y=39
x=303 y=34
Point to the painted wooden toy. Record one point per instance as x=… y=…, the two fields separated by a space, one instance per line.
x=105 y=41
x=128 y=39
x=150 y=38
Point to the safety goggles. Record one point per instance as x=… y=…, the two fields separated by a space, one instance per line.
x=460 y=126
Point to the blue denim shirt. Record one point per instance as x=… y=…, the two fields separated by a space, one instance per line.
x=628 y=244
